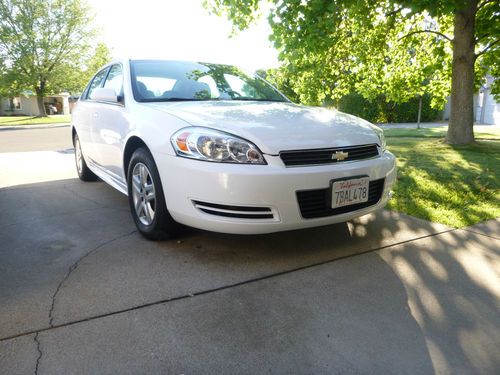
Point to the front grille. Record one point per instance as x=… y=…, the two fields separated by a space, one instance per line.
x=324 y=155
x=316 y=203
x=238 y=212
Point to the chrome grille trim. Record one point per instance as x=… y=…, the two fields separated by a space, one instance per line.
x=237 y=212
x=297 y=158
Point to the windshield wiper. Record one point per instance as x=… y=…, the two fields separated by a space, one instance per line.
x=147 y=100
x=174 y=99
x=261 y=100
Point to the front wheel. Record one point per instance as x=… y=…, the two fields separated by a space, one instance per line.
x=146 y=198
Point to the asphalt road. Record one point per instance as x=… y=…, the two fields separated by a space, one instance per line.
x=82 y=293
x=35 y=139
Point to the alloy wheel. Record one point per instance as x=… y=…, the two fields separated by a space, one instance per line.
x=143 y=194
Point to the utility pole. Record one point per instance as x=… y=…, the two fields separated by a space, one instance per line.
x=419 y=111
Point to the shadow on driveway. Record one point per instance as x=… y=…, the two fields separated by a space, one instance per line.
x=73 y=269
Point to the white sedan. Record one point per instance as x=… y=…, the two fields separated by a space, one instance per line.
x=212 y=147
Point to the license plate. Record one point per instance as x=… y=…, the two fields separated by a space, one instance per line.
x=351 y=191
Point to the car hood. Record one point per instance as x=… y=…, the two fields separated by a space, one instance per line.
x=275 y=127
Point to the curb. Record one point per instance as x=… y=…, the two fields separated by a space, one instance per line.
x=41 y=126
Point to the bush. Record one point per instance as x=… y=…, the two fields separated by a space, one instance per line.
x=379 y=110
x=356 y=105
x=408 y=111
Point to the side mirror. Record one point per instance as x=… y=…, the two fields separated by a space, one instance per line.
x=104 y=95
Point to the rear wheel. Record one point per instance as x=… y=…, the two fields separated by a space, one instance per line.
x=84 y=173
x=146 y=198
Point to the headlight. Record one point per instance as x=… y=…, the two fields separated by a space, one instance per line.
x=381 y=137
x=212 y=145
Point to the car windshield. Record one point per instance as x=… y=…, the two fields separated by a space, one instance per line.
x=157 y=81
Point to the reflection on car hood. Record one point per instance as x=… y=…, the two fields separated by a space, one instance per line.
x=275 y=127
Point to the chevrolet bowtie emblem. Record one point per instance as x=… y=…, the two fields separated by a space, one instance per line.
x=340 y=155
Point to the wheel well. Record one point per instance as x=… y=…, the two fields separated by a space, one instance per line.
x=132 y=144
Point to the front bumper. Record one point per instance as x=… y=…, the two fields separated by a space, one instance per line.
x=274 y=186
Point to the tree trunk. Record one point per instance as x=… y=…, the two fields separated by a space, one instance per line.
x=460 y=129
x=40 y=91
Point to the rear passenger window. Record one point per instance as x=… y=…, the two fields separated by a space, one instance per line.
x=115 y=80
x=97 y=81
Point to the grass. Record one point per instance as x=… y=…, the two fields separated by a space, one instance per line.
x=480 y=132
x=29 y=120
x=454 y=185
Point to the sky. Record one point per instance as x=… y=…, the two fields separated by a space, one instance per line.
x=180 y=29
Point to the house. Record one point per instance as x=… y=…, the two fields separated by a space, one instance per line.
x=26 y=105
x=486 y=108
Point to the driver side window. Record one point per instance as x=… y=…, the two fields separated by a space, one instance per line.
x=96 y=82
x=114 y=80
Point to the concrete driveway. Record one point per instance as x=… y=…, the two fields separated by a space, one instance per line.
x=82 y=293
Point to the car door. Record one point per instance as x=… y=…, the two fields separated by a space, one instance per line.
x=110 y=126
x=83 y=115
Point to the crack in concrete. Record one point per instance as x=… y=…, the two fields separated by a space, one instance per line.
x=481 y=234
x=75 y=266
x=220 y=288
x=39 y=353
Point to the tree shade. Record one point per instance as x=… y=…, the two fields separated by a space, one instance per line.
x=44 y=46
x=403 y=49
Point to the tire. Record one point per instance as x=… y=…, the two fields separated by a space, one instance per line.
x=84 y=173
x=146 y=198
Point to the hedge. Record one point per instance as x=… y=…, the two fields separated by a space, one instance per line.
x=379 y=110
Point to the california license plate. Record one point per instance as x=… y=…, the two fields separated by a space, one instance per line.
x=351 y=191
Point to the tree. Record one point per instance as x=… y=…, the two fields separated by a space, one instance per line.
x=401 y=48
x=100 y=57
x=281 y=80
x=77 y=78
x=43 y=44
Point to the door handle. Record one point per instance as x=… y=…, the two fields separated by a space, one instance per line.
x=95 y=115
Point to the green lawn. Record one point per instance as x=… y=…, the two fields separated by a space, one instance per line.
x=453 y=185
x=29 y=120
x=480 y=131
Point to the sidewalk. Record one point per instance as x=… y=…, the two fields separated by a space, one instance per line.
x=413 y=125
